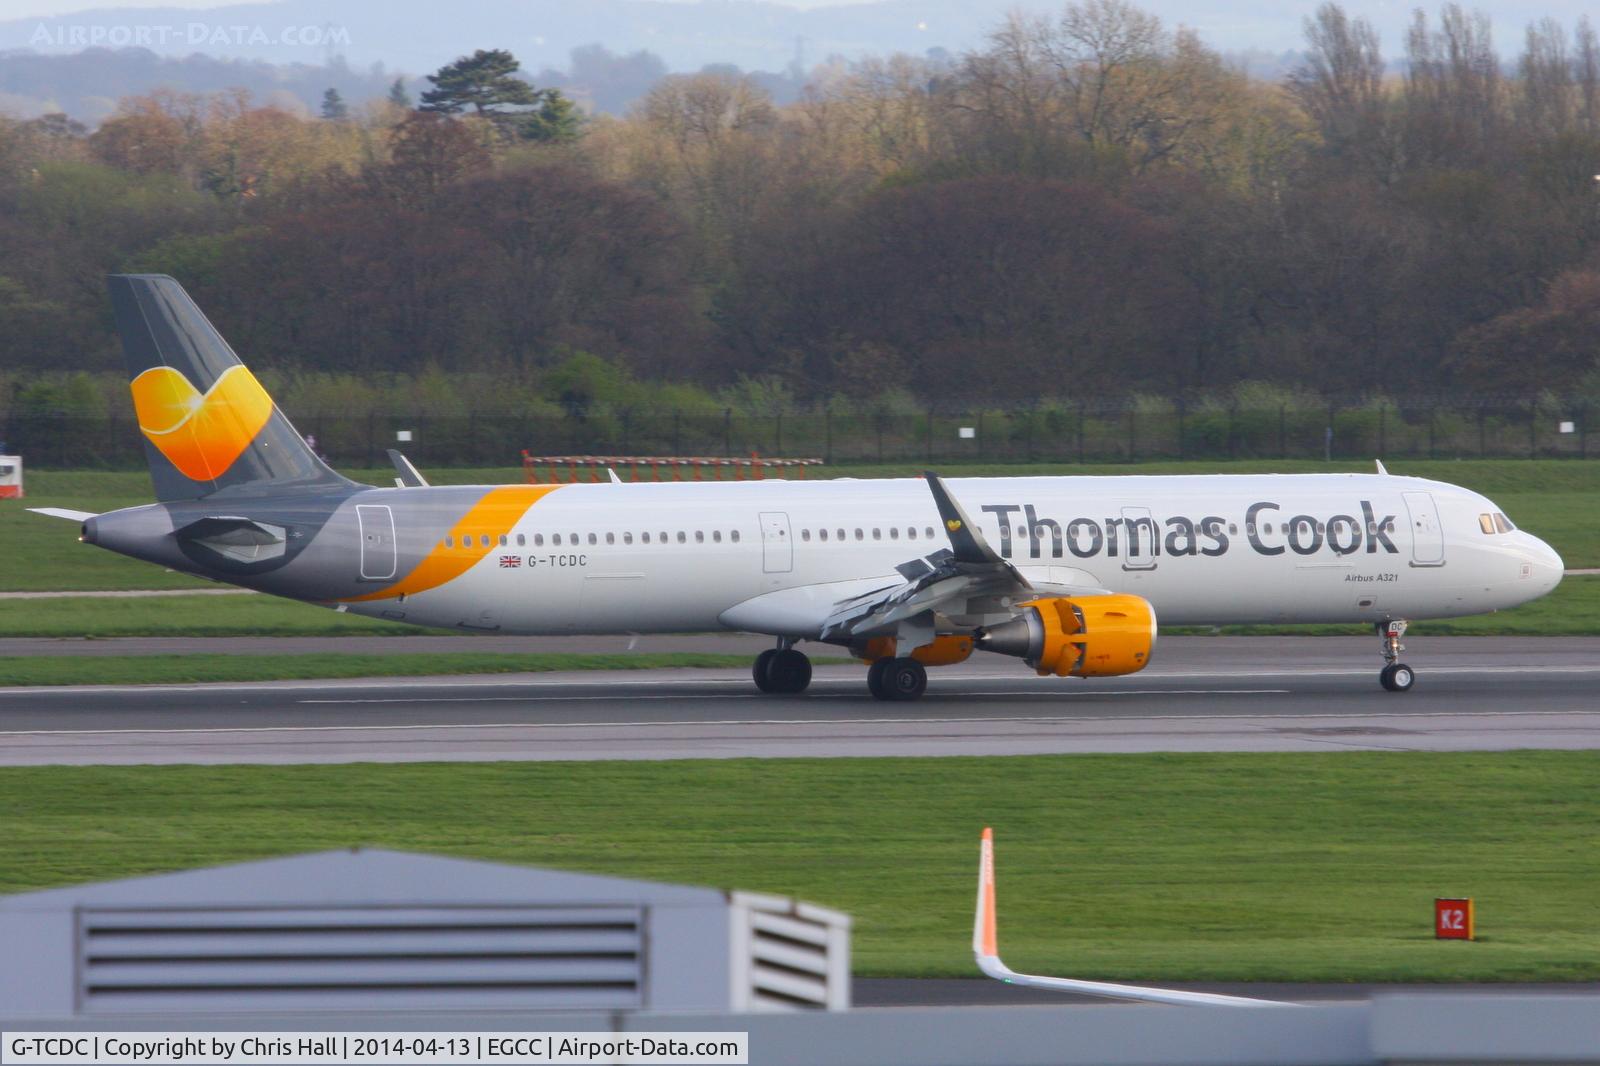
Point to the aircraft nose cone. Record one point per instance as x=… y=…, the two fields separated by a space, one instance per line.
x=1548 y=567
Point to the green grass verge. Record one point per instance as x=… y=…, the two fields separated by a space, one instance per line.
x=1316 y=867
x=191 y=616
x=1573 y=609
x=180 y=669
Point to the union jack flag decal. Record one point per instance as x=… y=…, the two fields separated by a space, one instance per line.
x=510 y=562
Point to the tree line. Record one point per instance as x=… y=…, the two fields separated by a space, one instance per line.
x=1091 y=206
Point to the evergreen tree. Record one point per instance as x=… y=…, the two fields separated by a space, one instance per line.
x=398 y=95
x=556 y=120
x=333 y=106
x=484 y=81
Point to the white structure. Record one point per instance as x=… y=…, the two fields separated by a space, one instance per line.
x=10 y=477
x=390 y=931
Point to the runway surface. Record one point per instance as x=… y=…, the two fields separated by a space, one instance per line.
x=1201 y=694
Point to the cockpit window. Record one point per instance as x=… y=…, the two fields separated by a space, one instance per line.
x=1495 y=523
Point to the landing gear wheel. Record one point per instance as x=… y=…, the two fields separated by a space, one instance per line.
x=875 y=683
x=1397 y=677
x=762 y=670
x=788 y=671
x=905 y=679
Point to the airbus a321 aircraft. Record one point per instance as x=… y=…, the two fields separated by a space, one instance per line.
x=1068 y=574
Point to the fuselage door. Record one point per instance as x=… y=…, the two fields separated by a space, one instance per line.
x=1141 y=539
x=378 y=561
x=777 y=549
x=1427 y=535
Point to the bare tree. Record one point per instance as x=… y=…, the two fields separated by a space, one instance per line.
x=1340 y=84
x=1544 y=105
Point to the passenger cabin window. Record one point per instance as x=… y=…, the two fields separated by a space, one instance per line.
x=593 y=539
x=522 y=540
x=860 y=535
x=929 y=532
x=627 y=538
x=699 y=536
x=483 y=540
x=611 y=538
x=644 y=538
x=683 y=538
x=555 y=538
x=911 y=533
x=734 y=536
x=805 y=534
x=538 y=540
x=449 y=542
x=822 y=534
x=877 y=534
x=502 y=540
x=716 y=536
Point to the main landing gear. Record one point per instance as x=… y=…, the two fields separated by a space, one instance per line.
x=897 y=679
x=1396 y=675
x=782 y=670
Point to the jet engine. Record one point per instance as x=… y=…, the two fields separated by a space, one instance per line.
x=1085 y=636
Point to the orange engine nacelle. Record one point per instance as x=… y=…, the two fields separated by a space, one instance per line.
x=1086 y=636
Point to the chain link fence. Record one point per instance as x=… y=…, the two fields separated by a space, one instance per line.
x=1088 y=432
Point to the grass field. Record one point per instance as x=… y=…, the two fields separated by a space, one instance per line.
x=1557 y=499
x=1139 y=867
x=184 y=669
x=1573 y=609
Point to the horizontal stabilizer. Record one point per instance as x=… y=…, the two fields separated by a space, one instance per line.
x=64 y=512
x=986 y=949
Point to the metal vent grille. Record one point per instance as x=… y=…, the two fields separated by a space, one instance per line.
x=359 y=958
x=795 y=956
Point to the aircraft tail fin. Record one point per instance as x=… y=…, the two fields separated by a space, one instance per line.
x=208 y=425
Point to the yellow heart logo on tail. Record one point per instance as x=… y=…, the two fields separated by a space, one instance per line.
x=953 y=525
x=201 y=435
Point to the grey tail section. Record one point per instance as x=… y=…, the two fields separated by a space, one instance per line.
x=249 y=455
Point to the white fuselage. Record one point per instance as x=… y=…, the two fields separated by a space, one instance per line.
x=770 y=556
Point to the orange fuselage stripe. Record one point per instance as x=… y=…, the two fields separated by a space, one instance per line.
x=494 y=515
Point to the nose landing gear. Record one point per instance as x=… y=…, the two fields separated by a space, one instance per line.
x=1396 y=676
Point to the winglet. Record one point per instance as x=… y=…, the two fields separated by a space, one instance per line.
x=1381 y=470
x=409 y=476
x=965 y=540
x=986 y=950
x=983 y=934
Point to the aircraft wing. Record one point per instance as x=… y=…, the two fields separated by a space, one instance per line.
x=967 y=581
x=986 y=950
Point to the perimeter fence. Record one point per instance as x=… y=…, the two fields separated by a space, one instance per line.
x=1073 y=433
